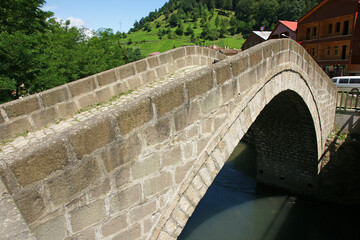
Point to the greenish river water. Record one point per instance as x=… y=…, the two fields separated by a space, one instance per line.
x=236 y=207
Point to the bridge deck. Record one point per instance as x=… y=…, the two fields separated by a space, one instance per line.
x=32 y=137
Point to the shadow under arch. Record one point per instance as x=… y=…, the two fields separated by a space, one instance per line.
x=286 y=147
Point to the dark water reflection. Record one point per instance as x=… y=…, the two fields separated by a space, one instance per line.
x=235 y=207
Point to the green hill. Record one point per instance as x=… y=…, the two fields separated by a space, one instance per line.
x=205 y=22
x=148 y=40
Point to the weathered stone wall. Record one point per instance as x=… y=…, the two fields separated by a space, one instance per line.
x=38 y=110
x=138 y=170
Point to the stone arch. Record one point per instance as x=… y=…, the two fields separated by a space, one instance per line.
x=280 y=86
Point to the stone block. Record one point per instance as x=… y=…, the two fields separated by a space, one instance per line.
x=189 y=61
x=248 y=80
x=182 y=171
x=30 y=203
x=196 y=60
x=149 y=76
x=103 y=95
x=229 y=91
x=121 y=152
x=212 y=53
x=39 y=162
x=106 y=77
x=54 y=96
x=165 y=58
x=168 y=98
x=100 y=189
x=114 y=225
x=153 y=61
x=181 y=63
x=92 y=135
x=134 y=115
x=45 y=117
x=178 y=53
x=121 y=176
x=205 y=52
x=157 y=184
x=54 y=229
x=201 y=144
x=86 y=100
x=67 y=109
x=239 y=64
x=158 y=133
x=134 y=82
x=87 y=215
x=126 y=71
x=255 y=55
x=15 y=128
x=133 y=232
x=142 y=211
x=82 y=86
x=172 y=157
x=141 y=66
x=190 y=50
x=66 y=186
x=88 y=234
x=210 y=102
x=203 y=61
x=222 y=72
x=187 y=116
x=161 y=71
x=119 y=88
x=22 y=106
x=200 y=82
x=145 y=166
x=124 y=199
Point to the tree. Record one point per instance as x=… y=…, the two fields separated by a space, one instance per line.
x=217 y=21
x=189 y=31
x=180 y=30
x=174 y=20
x=161 y=33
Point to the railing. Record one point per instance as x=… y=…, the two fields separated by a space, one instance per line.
x=348 y=101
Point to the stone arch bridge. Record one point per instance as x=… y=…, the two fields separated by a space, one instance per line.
x=128 y=153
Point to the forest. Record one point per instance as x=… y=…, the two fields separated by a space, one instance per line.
x=38 y=52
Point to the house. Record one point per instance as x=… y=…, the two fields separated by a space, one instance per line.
x=330 y=32
x=284 y=29
x=255 y=37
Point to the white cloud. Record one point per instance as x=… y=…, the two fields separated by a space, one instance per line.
x=50 y=8
x=76 y=22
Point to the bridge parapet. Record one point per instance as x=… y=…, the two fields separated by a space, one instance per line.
x=139 y=169
x=39 y=110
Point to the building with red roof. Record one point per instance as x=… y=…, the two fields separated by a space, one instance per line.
x=284 y=29
x=330 y=32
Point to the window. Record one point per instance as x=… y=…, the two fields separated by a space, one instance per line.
x=344 y=80
x=346 y=28
x=307 y=33
x=328 y=51
x=313 y=52
x=337 y=27
x=336 y=50
x=314 y=31
x=355 y=80
x=330 y=28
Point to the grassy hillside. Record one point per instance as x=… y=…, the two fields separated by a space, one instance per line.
x=149 y=41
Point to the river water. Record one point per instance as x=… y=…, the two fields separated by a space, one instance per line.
x=236 y=207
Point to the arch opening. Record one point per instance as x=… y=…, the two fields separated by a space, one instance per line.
x=285 y=141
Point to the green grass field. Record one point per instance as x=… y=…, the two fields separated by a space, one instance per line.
x=149 y=42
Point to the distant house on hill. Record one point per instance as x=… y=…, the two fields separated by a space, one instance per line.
x=284 y=29
x=255 y=38
x=330 y=32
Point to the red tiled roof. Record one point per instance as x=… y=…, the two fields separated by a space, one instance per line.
x=291 y=25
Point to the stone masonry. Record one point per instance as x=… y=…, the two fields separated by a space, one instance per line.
x=136 y=168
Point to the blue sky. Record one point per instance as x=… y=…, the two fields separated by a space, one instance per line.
x=119 y=15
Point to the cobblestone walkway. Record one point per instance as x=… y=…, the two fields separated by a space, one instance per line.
x=89 y=112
